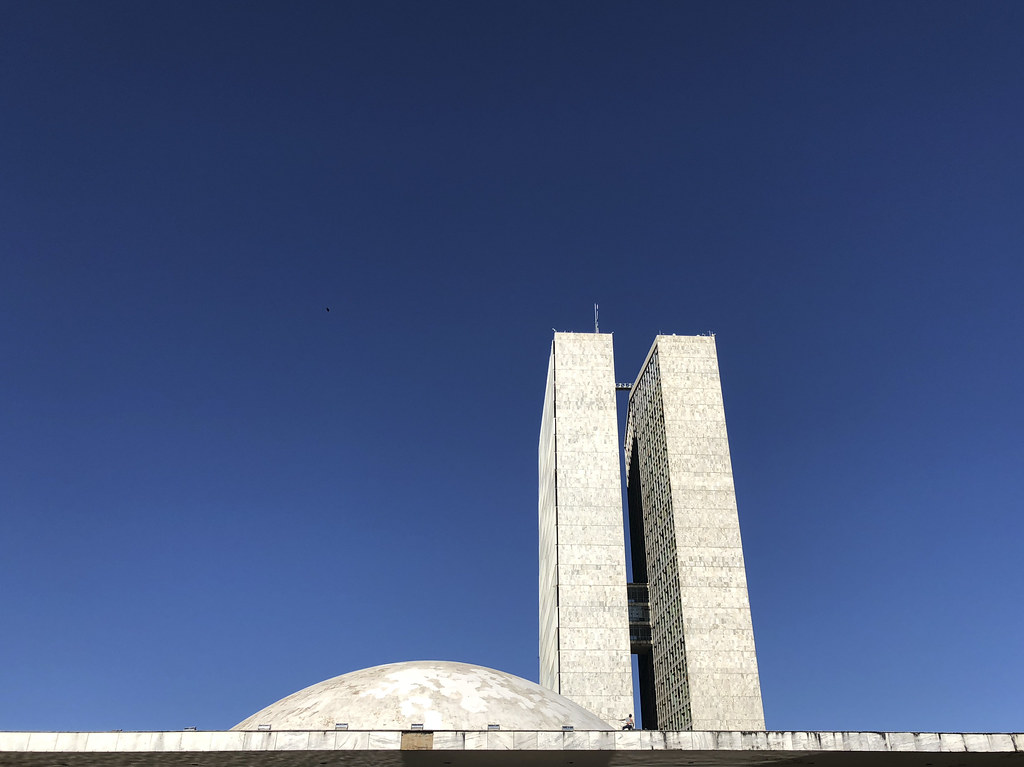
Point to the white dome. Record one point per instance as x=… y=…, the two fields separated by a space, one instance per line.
x=440 y=695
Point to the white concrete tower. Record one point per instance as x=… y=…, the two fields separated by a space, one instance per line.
x=584 y=629
x=685 y=543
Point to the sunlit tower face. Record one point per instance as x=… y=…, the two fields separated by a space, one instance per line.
x=686 y=615
x=700 y=672
x=584 y=631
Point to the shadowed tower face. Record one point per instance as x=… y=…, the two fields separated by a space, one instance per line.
x=584 y=630
x=687 y=614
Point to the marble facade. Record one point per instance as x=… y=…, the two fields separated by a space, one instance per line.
x=699 y=669
x=584 y=629
x=685 y=539
x=487 y=749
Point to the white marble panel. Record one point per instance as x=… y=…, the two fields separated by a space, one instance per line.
x=191 y=740
x=606 y=682
x=233 y=741
x=874 y=741
x=586 y=660
x=779 y=740
x=586 y=534
x=499 y=741
x=41 y=741
x=690 y=536
x=595 y=614
x=475 y=741
x=679 y=740
x=584 y=497
x=974 y=741
x=601 y=741
x=321 y=740
x=524 y=741
x=15 y=741
x=854 y=741
x=729 y=741
x=755 y=741
x=629 y=740
x=927 y=741
x=345 y=740
x=592 y=586
x=704 y=741
x=582 y=470
x=449 y=740
x=549 y=741
x=830 y=741
x=656 y=740
x=594 y=554
x=255 y=740
x=101 y=741
x=291 y=741
x=602 y=515
x=613 y=640
x=575 y=741
x=1000 y=741
x=384 y=741
x=952 y=742
x=901 y=741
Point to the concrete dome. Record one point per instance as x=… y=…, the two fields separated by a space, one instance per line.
x=440 y=695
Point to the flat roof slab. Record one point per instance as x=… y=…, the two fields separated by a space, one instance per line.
x=347 y=748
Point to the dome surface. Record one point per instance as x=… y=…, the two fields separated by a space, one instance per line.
x=440 y=695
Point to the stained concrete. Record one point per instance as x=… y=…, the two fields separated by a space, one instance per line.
x=494 y=749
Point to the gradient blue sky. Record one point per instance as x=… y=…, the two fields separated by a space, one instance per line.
x=213 y=492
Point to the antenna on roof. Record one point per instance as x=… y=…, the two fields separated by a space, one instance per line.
x=595 y=319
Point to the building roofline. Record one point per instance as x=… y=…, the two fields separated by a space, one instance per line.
x=697 y=749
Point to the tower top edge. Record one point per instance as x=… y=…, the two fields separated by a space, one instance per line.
x=709 y=336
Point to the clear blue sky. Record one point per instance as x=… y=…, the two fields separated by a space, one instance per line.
x=214 y=492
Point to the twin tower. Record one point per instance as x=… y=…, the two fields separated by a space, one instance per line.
x=686 y=614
